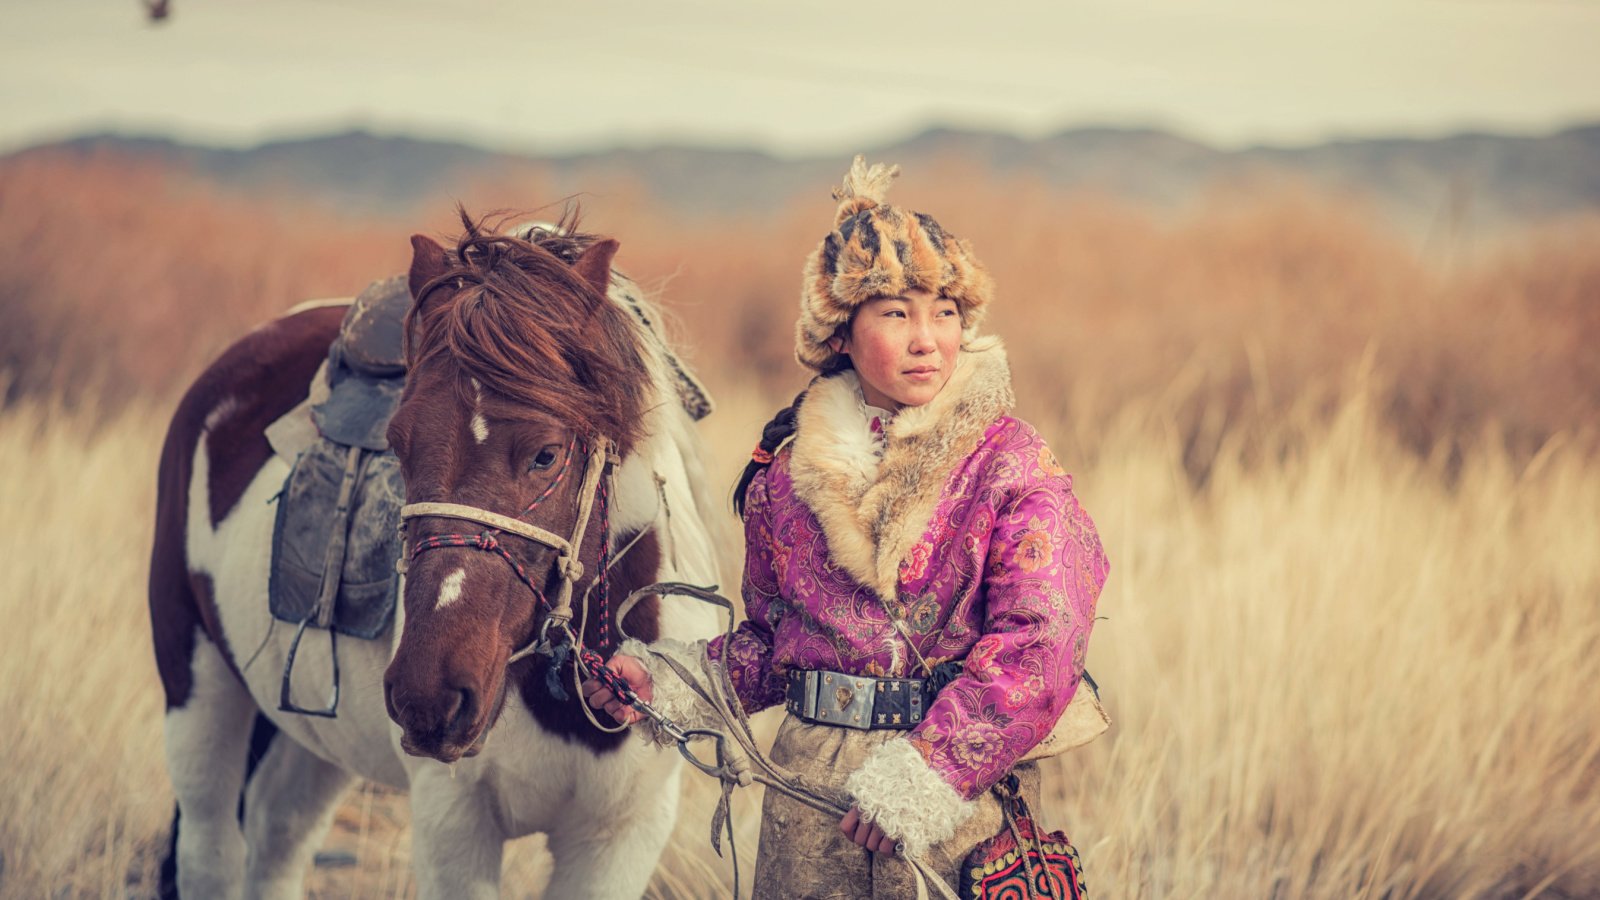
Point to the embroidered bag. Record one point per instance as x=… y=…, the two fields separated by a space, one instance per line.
x=1019 y=862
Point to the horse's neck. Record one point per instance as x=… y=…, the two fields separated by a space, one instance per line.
x=662 y=484
x=672 y=447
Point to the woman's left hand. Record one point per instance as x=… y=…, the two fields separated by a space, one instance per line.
x=865 y=833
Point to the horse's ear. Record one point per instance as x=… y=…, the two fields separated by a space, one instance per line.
x=595 y=264
x=427 y=262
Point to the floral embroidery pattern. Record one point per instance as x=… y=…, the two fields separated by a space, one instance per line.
x=977 y=745
x=915 y=565
x=1048 y=464
x=1033 y=550
x=922 y=613
x=1006 y=576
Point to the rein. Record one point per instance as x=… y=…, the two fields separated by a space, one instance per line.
x=733 y=764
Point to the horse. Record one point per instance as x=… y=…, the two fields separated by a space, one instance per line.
x=530 y=363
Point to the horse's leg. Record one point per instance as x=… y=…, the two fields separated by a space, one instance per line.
x=457 y=843
x=614 y=856
x=288 y=807
x=208 y=743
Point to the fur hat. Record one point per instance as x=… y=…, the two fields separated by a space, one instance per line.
x=878 y=250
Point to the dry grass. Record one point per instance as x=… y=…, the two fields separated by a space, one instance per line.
x=84 y=780
x=1347 y=672
x=1349 y=490
x=125 y=278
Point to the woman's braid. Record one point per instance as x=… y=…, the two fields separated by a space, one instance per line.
x=777 y=431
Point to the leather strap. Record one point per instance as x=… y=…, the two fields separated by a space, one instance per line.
x=485 y=517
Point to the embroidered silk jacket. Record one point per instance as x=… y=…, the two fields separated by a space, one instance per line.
x=966 y=525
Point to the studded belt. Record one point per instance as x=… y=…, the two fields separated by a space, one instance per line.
x=856 y=701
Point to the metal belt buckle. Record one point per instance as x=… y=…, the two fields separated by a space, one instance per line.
x=844 y=700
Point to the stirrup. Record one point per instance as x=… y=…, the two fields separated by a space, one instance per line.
x=285 y=703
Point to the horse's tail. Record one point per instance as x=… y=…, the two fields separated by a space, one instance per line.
x=173 y=605
x=174 y=608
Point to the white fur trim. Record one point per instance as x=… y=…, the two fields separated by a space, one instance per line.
x=833 y=462
x=669 y=694
x=896 y=790
x=873 y=512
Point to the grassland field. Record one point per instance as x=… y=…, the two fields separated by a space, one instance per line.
x=1348 y=481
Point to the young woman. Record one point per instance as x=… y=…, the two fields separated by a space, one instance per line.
x=919 y=580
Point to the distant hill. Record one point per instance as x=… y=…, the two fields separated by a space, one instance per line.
x=1493 y=179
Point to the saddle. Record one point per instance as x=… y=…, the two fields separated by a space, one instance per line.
x=336 y=538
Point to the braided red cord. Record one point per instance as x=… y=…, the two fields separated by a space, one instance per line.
x=599 y=671
x=484 y=541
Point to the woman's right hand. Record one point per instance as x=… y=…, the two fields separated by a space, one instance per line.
x=633 y=672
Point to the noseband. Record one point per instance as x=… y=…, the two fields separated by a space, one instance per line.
x=567 y=549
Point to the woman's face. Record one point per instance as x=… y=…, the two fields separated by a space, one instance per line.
x=903 y=348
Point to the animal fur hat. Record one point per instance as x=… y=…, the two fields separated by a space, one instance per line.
x=878 y=250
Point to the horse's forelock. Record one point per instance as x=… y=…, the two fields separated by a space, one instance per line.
x=512 y=314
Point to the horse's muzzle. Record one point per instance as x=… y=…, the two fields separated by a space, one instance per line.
x=447 y=753
x=445 y=724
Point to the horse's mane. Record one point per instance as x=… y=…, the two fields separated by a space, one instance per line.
x=531 y=331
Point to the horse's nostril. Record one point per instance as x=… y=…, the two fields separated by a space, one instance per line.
x=464 y=711
x=388 y=698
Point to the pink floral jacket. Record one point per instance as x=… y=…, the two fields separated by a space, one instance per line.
x=967 y=525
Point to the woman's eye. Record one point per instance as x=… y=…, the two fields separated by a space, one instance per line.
x=544 y=459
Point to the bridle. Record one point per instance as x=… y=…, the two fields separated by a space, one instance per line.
x=594 y=489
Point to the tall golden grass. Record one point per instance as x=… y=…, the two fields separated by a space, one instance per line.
x=1350 y=492
x=1346 y=672
x=124 y=277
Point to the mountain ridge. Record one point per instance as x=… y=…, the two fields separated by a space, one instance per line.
x=1503 y=178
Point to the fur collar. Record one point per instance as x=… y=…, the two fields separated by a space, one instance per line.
x=873 y=512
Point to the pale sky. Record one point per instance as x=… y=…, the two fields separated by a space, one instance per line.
x=793 y=77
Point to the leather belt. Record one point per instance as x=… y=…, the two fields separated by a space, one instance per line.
x=856 y=701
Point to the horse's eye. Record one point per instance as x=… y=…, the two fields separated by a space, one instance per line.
x=544 y=459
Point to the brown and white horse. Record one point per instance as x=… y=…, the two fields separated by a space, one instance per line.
x=524 y=355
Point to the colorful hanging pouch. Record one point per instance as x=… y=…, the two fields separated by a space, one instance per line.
x=1019 y=862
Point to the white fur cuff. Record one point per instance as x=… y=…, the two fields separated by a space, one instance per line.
x=896 y=790
x=669 y=695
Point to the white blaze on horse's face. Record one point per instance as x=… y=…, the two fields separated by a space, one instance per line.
x=466 y=609
x=480 y=425
x=450 y=588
